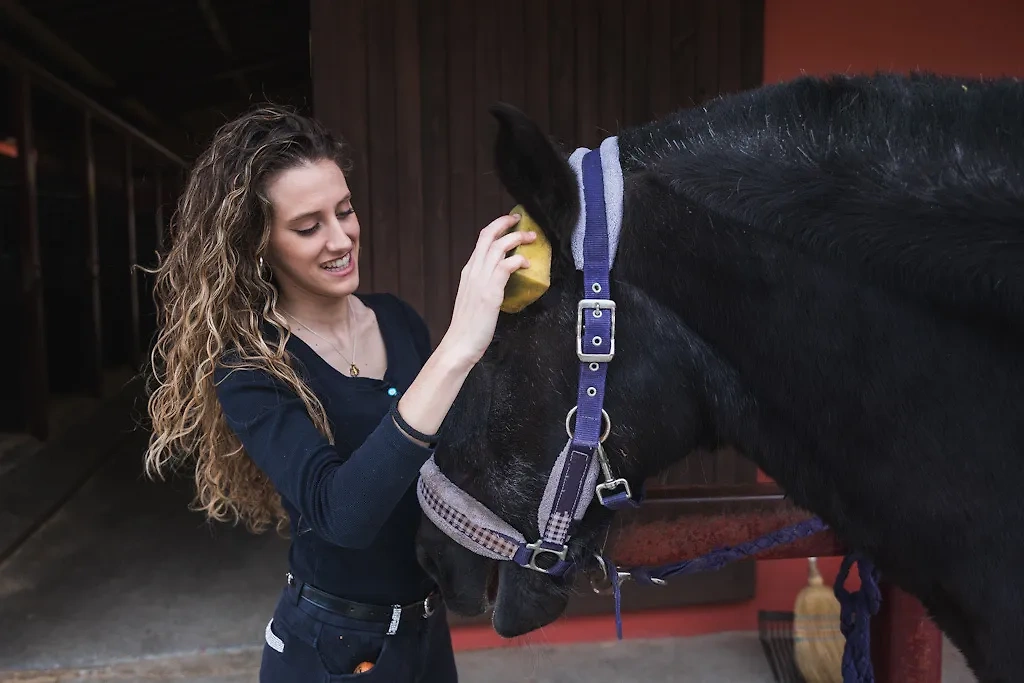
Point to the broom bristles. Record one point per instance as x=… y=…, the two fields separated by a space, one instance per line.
x=817 y=641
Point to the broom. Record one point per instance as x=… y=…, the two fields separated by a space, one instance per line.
x=817 y=641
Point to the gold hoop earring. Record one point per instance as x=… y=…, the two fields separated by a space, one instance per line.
x=260 y=266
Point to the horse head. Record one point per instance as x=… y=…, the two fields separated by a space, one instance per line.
x=513 y=416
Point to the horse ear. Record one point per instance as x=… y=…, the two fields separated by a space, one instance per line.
x=536 y=174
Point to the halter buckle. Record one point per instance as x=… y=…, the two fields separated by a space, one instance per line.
x=610 y=482
x=543 y=547
x=596 y=305
x=612 y=485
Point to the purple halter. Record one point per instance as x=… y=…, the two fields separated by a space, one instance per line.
x=572 y=484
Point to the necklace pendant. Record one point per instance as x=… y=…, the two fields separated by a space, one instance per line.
x=353 y=370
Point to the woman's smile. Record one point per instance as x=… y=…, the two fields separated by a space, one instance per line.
x=340 y=267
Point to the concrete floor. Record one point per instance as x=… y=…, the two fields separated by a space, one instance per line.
x=706 y=659
x=125 y=584
x=126 y=571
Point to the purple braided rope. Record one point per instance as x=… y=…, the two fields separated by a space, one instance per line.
x=855 y=621
x=857 y=607
x=716 y=559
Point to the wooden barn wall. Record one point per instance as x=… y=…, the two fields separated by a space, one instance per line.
x=407 y=84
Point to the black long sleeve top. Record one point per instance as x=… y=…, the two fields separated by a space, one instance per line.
x=352 y=506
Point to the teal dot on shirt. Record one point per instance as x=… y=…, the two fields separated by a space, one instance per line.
x=392 y=391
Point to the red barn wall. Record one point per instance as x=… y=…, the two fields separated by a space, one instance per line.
x=946 y=36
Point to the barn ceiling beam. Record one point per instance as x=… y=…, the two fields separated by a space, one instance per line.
x=58 y=49
x=221 y=38
x=44 y=79
x=70 y=58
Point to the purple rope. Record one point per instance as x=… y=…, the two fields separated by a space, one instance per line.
x=855 y=621
x=716 y=559
x=857 y=607
x=613 y=574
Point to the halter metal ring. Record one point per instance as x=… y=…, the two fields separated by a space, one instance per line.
x=540 y=548
x=601 y=585
x=605 y=420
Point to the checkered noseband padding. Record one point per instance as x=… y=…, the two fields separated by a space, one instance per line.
x=474 y=536
x=472 y=525
x=558 y=526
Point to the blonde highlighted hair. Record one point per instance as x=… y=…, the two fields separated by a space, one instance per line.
x=213 y=298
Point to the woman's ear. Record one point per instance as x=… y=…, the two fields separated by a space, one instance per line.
x=536 y=175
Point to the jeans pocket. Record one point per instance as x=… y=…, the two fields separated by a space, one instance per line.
x=273 y=640
x=287 y=658
x=349 y=654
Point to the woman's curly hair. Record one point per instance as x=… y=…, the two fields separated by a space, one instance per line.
x=213 y=296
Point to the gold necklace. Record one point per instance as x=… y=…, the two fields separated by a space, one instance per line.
x=353 y=369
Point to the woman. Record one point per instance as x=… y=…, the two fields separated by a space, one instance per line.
x=307 y=406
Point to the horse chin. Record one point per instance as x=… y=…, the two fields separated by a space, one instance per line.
x=467 y=581
x=525 y=601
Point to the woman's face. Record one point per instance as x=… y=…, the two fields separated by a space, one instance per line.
x=314 y=234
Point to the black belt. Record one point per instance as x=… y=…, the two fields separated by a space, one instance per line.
x=394 y=615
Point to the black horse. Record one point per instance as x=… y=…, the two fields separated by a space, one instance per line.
x=827 y=275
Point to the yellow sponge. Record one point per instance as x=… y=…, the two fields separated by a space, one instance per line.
x=528 y=284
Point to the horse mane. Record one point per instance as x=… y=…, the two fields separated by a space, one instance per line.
x=913 y=183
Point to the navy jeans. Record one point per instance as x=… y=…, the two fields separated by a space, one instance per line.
x=308 y=644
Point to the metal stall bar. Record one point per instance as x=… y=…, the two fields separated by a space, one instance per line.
x=27 y=410
x=93 y=351
x=158 y=191
x=44 y=79
x=29 y=407
x=129 y=193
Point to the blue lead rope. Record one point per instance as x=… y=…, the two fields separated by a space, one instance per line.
x=857 y=607
x=855 y=622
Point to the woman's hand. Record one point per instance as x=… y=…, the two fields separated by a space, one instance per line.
x=482 y=289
